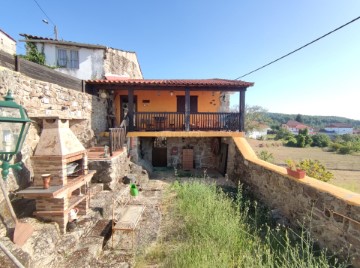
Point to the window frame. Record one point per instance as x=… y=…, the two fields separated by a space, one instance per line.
x=72 y=60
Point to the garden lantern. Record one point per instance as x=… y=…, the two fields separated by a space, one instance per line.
x=14 y=125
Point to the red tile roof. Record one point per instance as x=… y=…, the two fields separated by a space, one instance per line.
x=222 y=83
x=339 y=125
x=296 y=124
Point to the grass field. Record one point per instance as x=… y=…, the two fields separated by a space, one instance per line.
x=346 y=168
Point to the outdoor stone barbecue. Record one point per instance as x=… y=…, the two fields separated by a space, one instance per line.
x=60 y=154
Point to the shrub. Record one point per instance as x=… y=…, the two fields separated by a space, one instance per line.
x=321 y=140
x=292 y=142
x=316 y=170
x=266 y=156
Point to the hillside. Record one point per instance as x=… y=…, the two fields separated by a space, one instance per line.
x=315 y=121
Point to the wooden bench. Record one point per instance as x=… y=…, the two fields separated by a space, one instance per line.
x=126 y=217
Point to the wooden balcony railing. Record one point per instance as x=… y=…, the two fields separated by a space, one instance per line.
x=160 y=121
x=117 y=137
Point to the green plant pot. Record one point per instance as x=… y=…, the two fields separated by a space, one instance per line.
x=133 y=190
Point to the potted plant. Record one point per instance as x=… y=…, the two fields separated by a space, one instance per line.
x=294 y=170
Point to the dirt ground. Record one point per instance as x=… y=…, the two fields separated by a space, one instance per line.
x=149 y=227
x=346 y=168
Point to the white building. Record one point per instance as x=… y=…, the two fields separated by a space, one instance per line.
x=7 y=43
x=339 y=128
x=259 y=132
x=86 y=61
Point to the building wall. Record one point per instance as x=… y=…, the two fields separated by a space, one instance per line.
x=40 y=98
x=7 y=44
x=91 y=61
x=123 y=63
x=332 y=214
x=339 y=131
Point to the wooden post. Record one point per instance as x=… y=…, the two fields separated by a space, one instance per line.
x=17 y=63
x=131 y=109
x=242 y=110
x=187 y=109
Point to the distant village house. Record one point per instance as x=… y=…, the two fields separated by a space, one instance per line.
x=7 y=43
x=294 y=127
x=86 y=61
x=339 y=129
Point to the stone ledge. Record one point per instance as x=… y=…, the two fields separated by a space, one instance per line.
x=347 y=196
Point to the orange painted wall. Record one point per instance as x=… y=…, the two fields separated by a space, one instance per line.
x=162 y=101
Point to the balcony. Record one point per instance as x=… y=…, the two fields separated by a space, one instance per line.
x=173 y=121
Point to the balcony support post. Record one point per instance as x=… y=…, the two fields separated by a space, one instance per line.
x=187 y=109
x=242 y=110
x=131 y=108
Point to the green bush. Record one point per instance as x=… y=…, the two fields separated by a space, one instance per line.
x=266 y=156
x=283 y=134
x=321 y=140
x=316 y=170
x=292 y=142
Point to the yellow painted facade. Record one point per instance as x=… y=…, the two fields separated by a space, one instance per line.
x=165 y=101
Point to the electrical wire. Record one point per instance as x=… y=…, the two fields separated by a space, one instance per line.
x=44 y=12
x=292 y=52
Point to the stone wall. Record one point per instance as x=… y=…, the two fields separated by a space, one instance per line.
x=110 y=170
x=122 y=63
x=203 y=157
x=332 y=214
x=87 y=114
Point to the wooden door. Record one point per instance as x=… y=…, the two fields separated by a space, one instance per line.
x=223 y=158
x=159 y=152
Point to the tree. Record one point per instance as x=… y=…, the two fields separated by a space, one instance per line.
x=299 y=118
x=254 y=116
x=283 y=134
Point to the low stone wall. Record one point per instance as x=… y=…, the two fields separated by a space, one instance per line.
x=334 y=212
x=110 y=170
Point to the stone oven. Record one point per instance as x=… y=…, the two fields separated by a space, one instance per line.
x=60 y=154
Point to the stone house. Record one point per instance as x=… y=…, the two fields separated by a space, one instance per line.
x=86 y=61
x=7 y=43
x=170 y=119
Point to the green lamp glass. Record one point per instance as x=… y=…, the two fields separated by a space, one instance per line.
x=14 y=125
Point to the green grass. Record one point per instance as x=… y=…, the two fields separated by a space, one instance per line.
x=206 y=228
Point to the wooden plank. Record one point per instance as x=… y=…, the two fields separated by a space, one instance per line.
x=47 y=74
x=7 y=60
x=129 y=218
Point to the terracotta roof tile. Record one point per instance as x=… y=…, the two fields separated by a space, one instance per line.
x=174 y=82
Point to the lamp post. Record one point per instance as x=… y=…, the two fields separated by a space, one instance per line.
x=14 y=125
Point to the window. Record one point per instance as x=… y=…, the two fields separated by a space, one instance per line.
x=74 y=59
x=67 y=58
x=181 y=104
x=61 y=58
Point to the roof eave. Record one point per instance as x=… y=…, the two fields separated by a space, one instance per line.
x=64 y=43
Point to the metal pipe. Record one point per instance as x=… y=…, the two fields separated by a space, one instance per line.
x=11 y=256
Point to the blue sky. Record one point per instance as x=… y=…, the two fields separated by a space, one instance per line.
x=220 y=39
